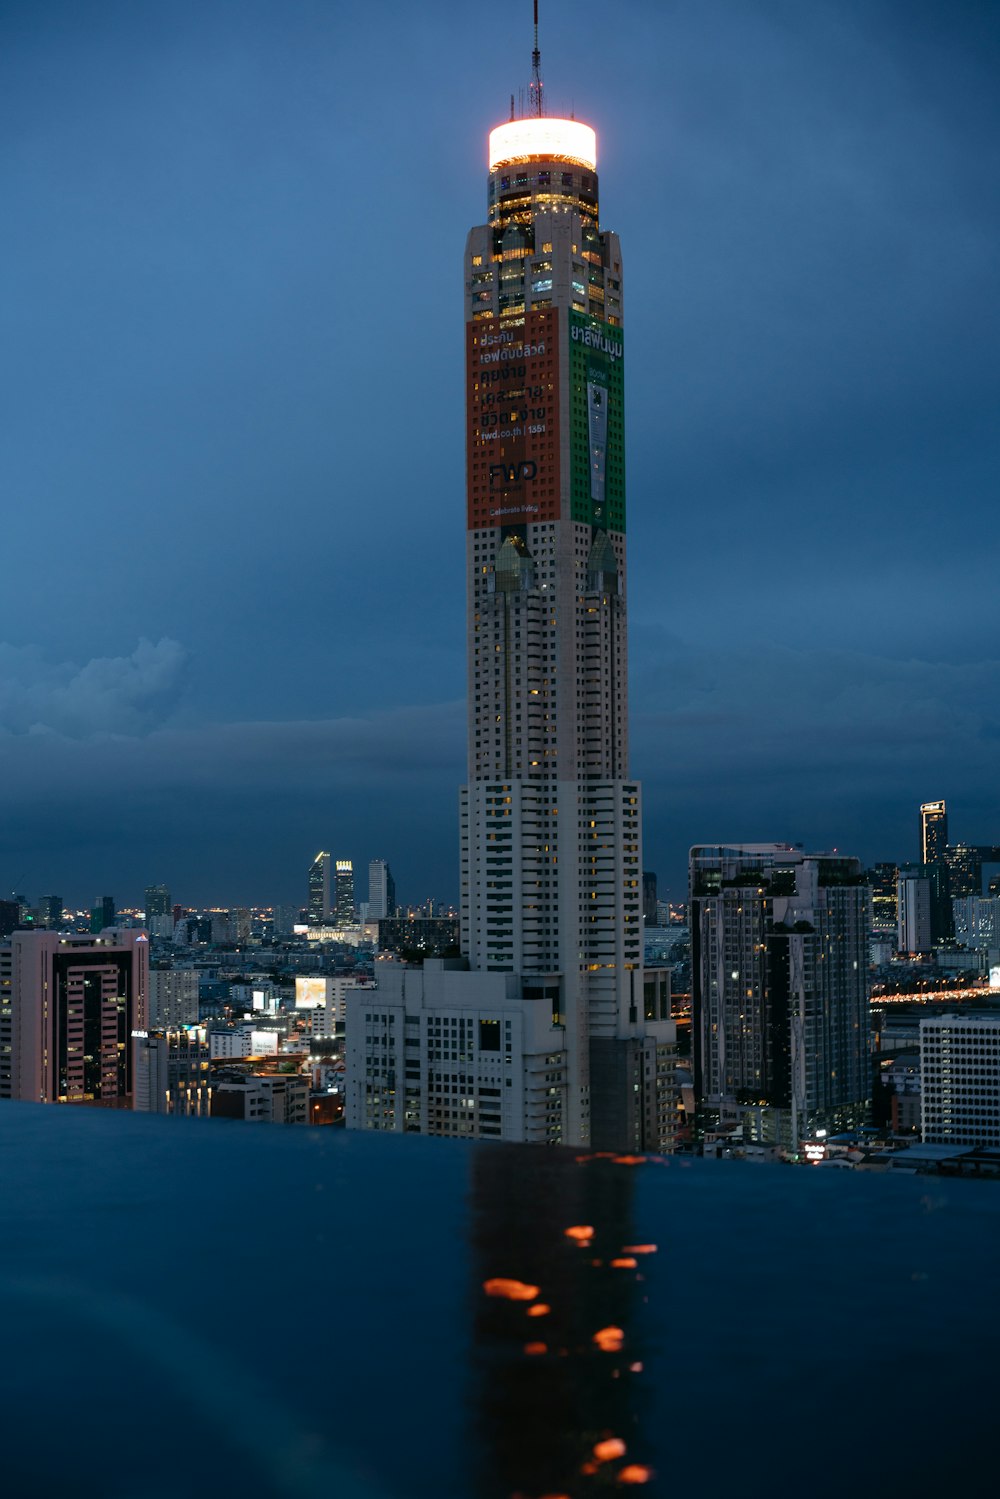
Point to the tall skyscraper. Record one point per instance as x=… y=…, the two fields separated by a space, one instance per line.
x=933 y=832
x=551 y=819
x=319 y=890
x=779 y=960
x=551 y=840
x=381 y=891
x=934 y=855
x=343 y=911
x=66 y=1034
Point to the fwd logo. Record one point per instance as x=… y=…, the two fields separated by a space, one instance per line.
x=508 y=474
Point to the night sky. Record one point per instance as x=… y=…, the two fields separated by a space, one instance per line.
x=232 y=424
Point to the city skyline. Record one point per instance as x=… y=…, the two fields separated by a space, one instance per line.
x=809 y=224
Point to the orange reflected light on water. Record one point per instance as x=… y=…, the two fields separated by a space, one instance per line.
x=609 y=1449
x=511 y=1290
x=609 y=1339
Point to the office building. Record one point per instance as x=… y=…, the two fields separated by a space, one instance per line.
x=965 y=868
x=551 y=845
x=173 y=998
x=158 y=902
x=933 y=832
x=882 y=880
x=172 y=1072
x=934 y=855
x=960 y=1080
x=381 y=891
x=977 y=921
x=10 y=917
x=318 y=905
x=343 y=910
x=284 y=920
x=50 y=912
x=102 y=914
x=74 y=1003
x=779 y=956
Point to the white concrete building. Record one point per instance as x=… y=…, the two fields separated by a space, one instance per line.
x=914 y=929
x=960 y=1080
x=173 y=998
x=439 y=1050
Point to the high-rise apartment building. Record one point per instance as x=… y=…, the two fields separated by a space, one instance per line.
x=73 y=1005
x=551 y=820
x=779 y=964
x=318 y=911
x=173 y=998
x=343 y=910
x=381 y=891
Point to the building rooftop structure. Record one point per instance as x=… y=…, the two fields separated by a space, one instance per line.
x=137 y=1263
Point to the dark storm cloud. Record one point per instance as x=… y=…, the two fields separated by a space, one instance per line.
x=232 y=417
x=106 y=696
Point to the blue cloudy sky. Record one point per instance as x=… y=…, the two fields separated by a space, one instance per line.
x=231 y=621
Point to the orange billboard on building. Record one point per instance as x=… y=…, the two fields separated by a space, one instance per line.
x=512 y=401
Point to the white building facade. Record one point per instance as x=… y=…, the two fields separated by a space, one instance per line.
x=960 y=1080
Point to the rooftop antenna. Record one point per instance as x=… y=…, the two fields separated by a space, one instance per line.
x=535 y=90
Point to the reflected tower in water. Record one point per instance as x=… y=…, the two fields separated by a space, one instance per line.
x=546 y=1392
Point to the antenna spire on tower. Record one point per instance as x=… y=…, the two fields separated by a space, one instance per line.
x=536 y=72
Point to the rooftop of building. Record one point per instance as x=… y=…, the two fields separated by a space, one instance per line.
x=146 y=1265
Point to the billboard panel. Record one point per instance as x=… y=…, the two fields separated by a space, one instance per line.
x=597 y=424
x=512 y=405
x=310 y=992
